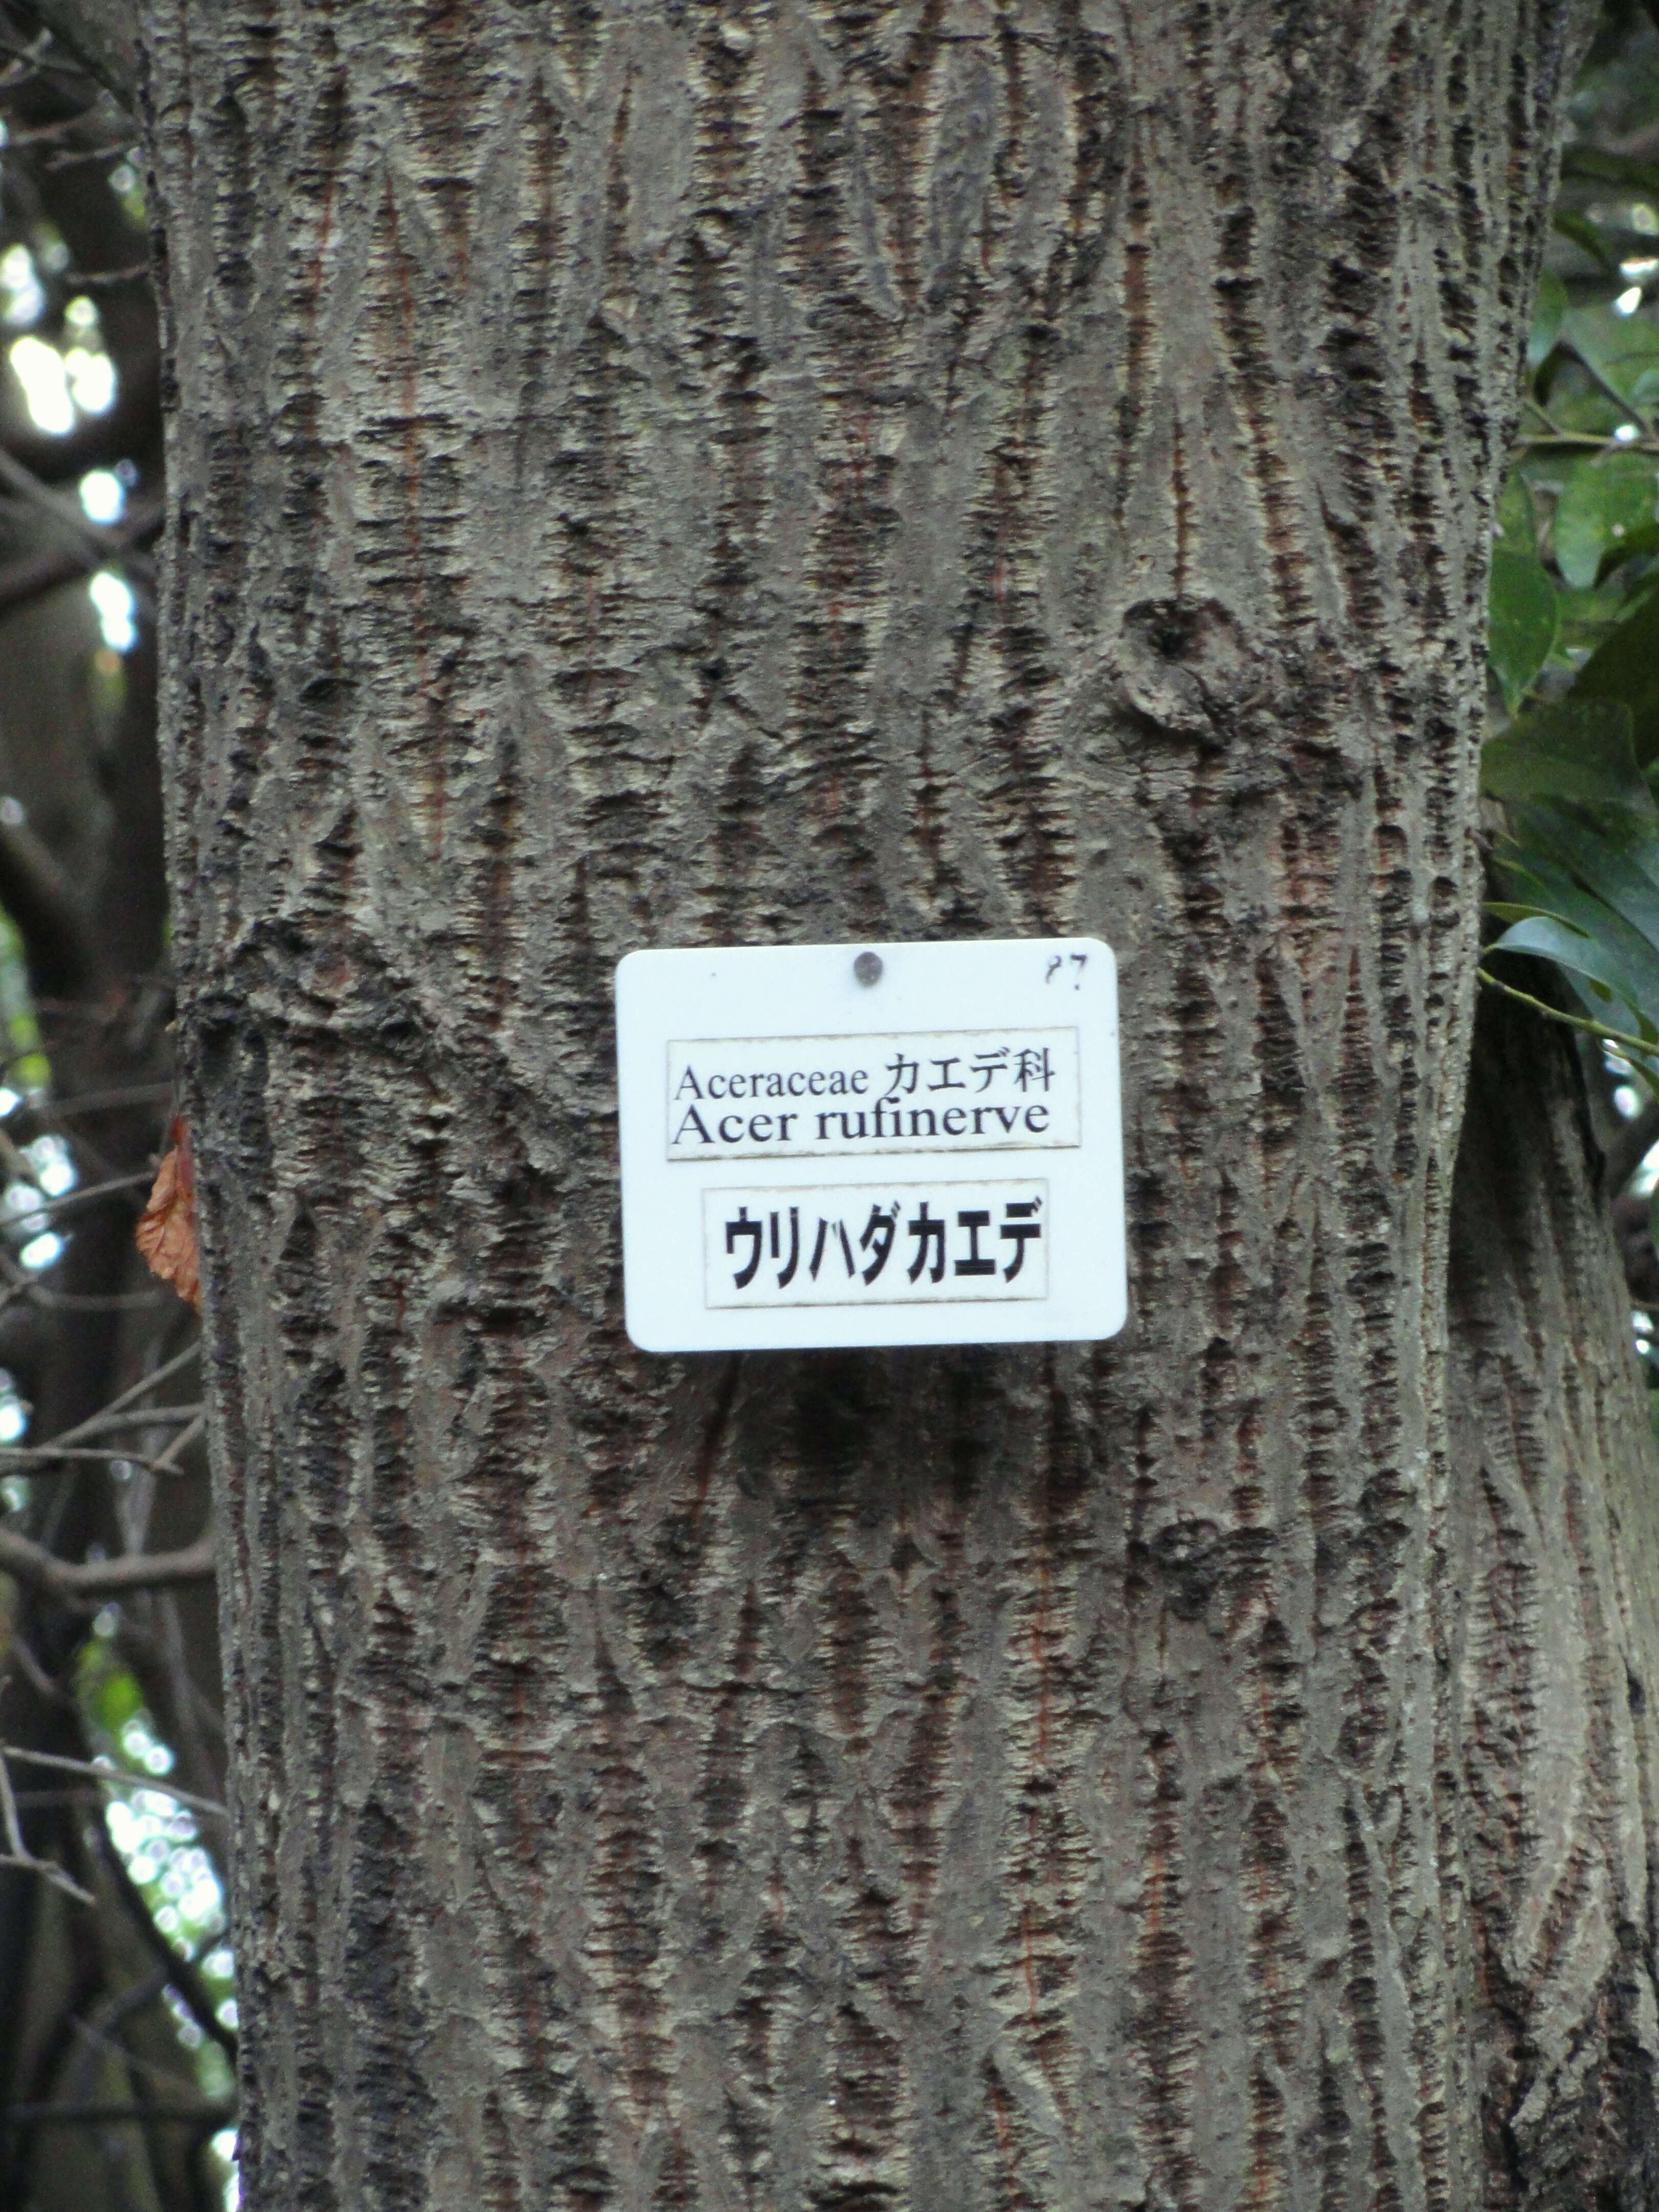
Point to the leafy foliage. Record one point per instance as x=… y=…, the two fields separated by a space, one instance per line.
x=1574 y=633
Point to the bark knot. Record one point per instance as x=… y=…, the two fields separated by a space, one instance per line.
x=1186 y=668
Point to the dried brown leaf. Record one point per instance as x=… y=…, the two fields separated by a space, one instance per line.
x=166 y=1233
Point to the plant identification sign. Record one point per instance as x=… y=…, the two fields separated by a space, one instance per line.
x=832 y=1145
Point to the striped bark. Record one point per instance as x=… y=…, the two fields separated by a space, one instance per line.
x=810 y=471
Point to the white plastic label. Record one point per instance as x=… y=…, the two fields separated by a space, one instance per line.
x=884 y=1144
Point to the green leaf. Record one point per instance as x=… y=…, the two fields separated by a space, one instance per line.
x=1589 y=161
x=1597 y=609
x=1603 y=502
x=1516 y=523
x=1623 y=351
x=1624 y=668
x=1585 y=894
x=1611 y=992
x=1521 y=622
x=1623 y=948
x=1551 y=306
x=1585 y=619
x=118 y=1698
x=1577 y=751
x=1587 y=237
x=1614 y=861
x=1540 y=887
x=1633 y=545
x=1577 y=402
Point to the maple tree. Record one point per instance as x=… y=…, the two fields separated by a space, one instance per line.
x=746 y=476
x=759 y=476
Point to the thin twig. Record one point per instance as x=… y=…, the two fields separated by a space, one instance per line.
x=39 y=1681
x=1556 y=436
x=48 y=1459
x=104 y=1101
x=34 y=59
x=1614 y=393
x=50 y=911
x=92 y=280
x=220 y=2114
x=136 y=1417
x=24 y=485
x=1530 y=444
x=142 y=1177
x=31 y=575
x=18 y=1854
x=67 y=1446
x=1647 y=1046
x=8 y=1820
x=96 y=2039
x=47 y=134
x=48 y=1873
x=164 y=1373
x=180 y=1444
x=76 y=1581
x=23 y=581
x=102 y=38
x=183 y=1973
x=112 y=1777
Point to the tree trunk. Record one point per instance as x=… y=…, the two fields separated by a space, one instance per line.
x=663 y=476
x=1549 y=1567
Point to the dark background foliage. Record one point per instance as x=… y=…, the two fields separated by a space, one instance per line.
x=1575 y=636
x=116 y=2017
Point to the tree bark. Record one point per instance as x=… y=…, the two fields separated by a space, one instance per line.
x=654 y=477
x=1549 y=1571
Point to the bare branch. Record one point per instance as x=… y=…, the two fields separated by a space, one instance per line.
x=21 y=581
x=169 y=1459
x=8 y=1820
x=215 y=2116
x=74 y=1583
x=140 y=1389
x=105 y=1102
x=92 y=280
x=31 y=575
x=48 y=908
x=136 y=1181
x=18 y=1655
x=51 y=1459
x=111 y=1778
x=57 y=507
x=22 y=1862
x=138 y=1417
x=68 y=1448
x=182 y=1973
x=20 y=1857
x=101 y=34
